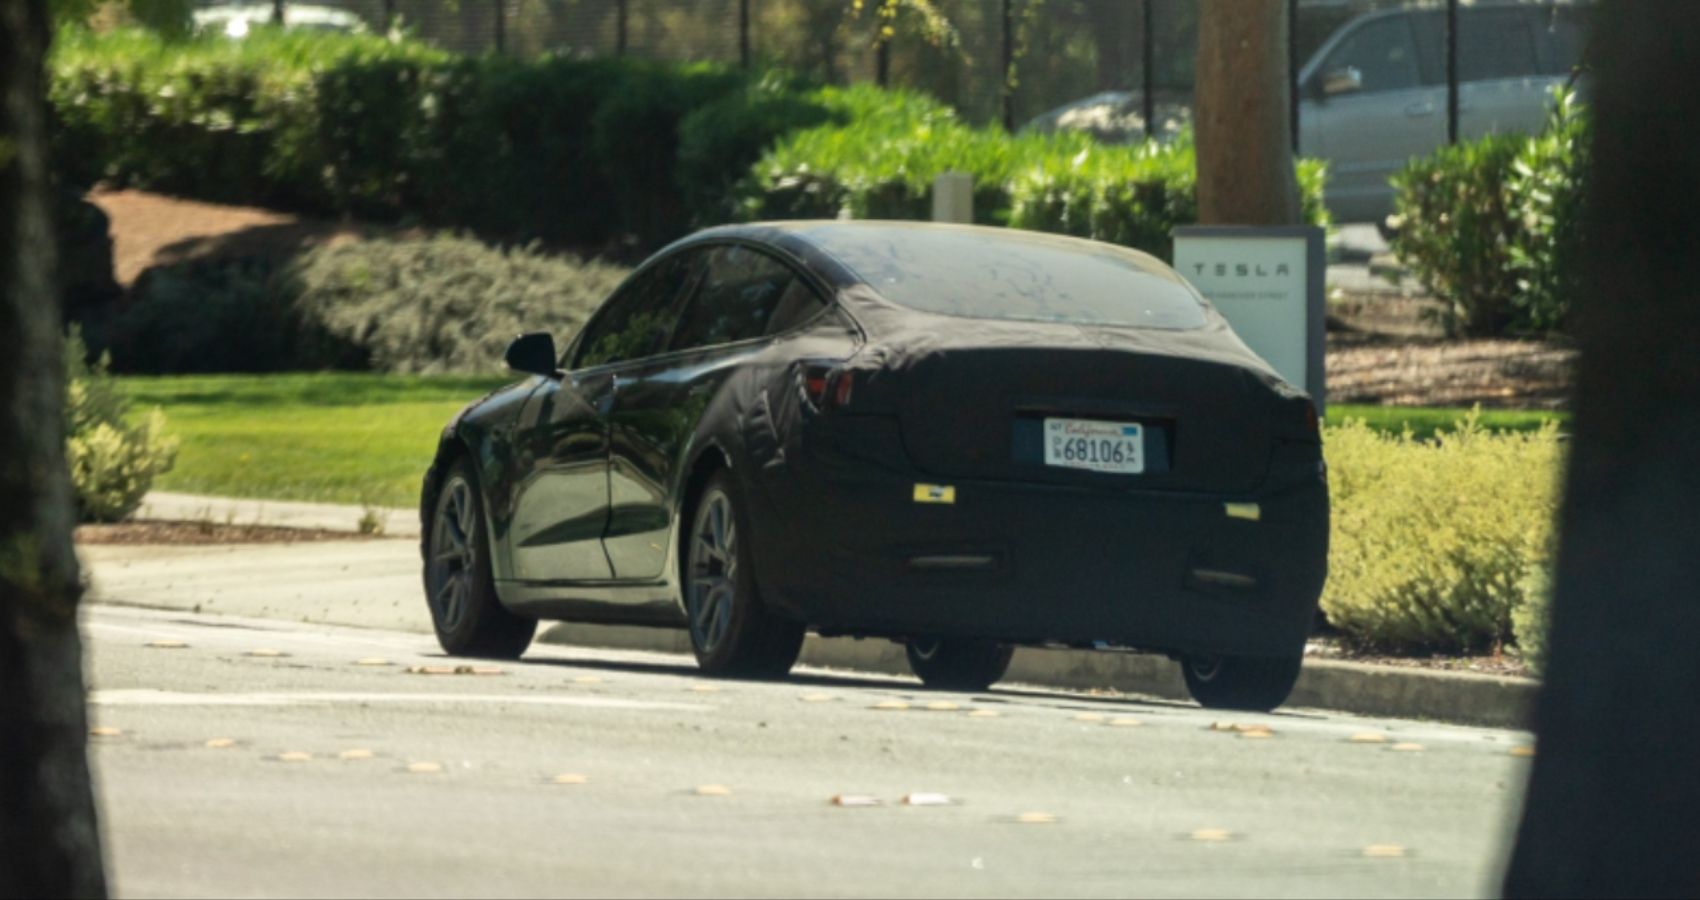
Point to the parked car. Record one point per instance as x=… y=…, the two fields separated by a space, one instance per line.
x=960 y=438
x=1373 y=95
x=235 y=20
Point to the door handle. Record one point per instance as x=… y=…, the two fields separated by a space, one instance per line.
x=1419 y=108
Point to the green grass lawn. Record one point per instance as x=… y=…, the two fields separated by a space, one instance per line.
x=339 y=438
x=347 y=438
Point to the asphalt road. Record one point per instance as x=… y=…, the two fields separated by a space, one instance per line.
x=418 y=784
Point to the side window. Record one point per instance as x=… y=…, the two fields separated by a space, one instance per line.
x=1429 y=26
x=1559 y=36
x=635 y=321
x=797 y=305
x=735 y=300
x=1495 y=43
x=1382 y=52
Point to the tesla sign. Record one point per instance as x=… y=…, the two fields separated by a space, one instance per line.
x=1268 y=284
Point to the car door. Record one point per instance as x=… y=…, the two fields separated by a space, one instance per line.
x=1369 y=110
x=742 y=296
x=561 y=507
x=1501 y=87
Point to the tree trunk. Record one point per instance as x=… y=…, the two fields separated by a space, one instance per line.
x=1614 y=791
x=49 y=840
x=1245 y=155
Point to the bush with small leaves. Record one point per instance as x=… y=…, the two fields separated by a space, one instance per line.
x=442 y=303
x=113 y=460
x=1434 y=542
x=427 y=304
x=1530 y=621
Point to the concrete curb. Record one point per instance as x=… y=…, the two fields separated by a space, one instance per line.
x=1458 y=697
x=164 y=505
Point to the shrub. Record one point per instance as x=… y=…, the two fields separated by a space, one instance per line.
x=881 y=163
x=442 y=304
x=552 y=148
x=424 y=304
x=1434 y=543
x=1547 y=182
x=1490 y=227
x=1531 y=620
x=219 y=315
x=113 y=461
x=722 y=140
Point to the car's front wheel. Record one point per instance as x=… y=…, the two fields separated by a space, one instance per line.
x=733 y=633
x=1247 y=683
x=459 y=588
x=958 y=664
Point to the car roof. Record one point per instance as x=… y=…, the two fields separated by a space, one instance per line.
x=876 y=268
x=816 y=242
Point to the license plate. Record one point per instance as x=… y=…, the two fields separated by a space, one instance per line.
x=1097 y=446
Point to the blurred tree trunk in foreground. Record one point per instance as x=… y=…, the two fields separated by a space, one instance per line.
x=1242 y=124
x=49 y=840
x=1614 y=799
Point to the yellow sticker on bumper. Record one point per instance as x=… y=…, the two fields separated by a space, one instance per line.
x=935 y=493
x=1251 y=512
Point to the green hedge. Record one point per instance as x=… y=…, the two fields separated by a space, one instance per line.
x=1439 y=545
x=583 y=153
x=881 y=160
x=411 y=305
x=1493 y=227
x=568 y=151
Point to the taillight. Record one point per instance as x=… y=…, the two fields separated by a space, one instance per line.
x=827 y=387
x=1313 y=424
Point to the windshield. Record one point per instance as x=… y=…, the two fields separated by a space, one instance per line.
x=1006 y=274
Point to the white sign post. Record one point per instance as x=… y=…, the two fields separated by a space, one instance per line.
x=953 y=198
x=1268 y=283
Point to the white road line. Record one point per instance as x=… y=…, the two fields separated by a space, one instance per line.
x=148 y=697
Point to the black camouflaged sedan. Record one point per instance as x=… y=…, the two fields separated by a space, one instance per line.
x=963 y=439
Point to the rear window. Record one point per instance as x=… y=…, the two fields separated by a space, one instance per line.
x=1023 y=276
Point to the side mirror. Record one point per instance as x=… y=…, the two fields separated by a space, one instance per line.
x=533 y=354
x=1348 y=80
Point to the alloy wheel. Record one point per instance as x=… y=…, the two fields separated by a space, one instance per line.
x=713 y=571
x=453 y=554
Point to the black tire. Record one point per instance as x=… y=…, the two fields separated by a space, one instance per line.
x=1246 y=683
x=958 y=664
x=459 y=588
x=732 y=632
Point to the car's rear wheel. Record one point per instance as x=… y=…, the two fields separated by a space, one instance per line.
x=1248 y=683
x=459 y=588
x=733 y=633
x=958 y=664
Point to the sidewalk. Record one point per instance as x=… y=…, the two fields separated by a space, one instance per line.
x=376 y=584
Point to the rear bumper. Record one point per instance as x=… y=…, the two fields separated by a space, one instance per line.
x=849 y=548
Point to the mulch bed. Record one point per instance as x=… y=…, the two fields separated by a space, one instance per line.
x=1415 y=371
x=1496 y=664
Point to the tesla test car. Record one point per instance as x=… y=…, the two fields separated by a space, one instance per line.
x=963 y=439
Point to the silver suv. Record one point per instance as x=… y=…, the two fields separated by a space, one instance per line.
x=1373 y=95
